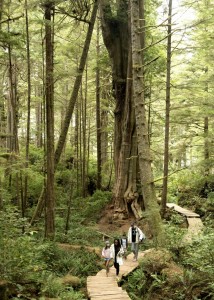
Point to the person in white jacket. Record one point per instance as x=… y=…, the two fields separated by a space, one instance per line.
x=135 y=236
x=116 y=252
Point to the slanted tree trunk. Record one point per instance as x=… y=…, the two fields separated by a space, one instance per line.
x=167 y=117
x=77 y=83
x=146 y=175
x=116 y=36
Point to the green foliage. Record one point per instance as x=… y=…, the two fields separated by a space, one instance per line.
x=200 y=255
x=95 y=204
x=19 y=259
x=174 y=236
x=36 y=156
x=78 y=262
x=24 y=257
x=52 y=286
x=186 y=182
x=136 y=279
x=80 y=235
x=64 y=178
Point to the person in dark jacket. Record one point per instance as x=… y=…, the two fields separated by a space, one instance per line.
x=117 y=252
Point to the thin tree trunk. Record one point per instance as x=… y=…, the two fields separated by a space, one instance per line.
x=146 y=175
x=12 y=144
x=98 y=121
x=39 y=118
x=3 y=118
x=84 y=137
x=69 y=208
x=76 y=143
x=80 y=136
x=167 y=117
x=50 y=195
x=25 y=196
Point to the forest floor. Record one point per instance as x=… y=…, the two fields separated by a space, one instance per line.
x=106 y=224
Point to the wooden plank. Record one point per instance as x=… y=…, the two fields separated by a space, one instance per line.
x=107 y=292
x=183 y=211
x=104 y=287
x=111 y=297
x=101 y=279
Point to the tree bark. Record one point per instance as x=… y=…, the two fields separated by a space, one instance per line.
x=49 y=92
x=98 y=120
x=146 y=175
x=117 y=39
x=167 y=117
x=24 y=198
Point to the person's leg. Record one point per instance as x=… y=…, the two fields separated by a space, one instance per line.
x=125 y=253
x=136 y=250
x=117 y=267
x=107 y=266
x=133 y=248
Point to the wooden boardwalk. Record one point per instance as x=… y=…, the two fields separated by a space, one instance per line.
x=183 y=211
x=195 y=224
x=101 y=287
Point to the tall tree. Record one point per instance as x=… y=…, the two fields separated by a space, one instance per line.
x=131 y=157
x=24 y=199
x=116 y=35
x=146 y=174
x=98 y=121
x=49 y=92
x=167 y=118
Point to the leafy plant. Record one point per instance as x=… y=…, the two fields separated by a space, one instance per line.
x=138 y=279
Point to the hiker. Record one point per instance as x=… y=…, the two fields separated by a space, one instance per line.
x=106 y=254
x=117 y=253
x=135 y=236
x=124 y=244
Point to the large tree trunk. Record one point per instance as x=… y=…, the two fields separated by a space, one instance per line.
x=146 y=175
x=116 y=36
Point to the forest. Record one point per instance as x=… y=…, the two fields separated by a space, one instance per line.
x=105 y=118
